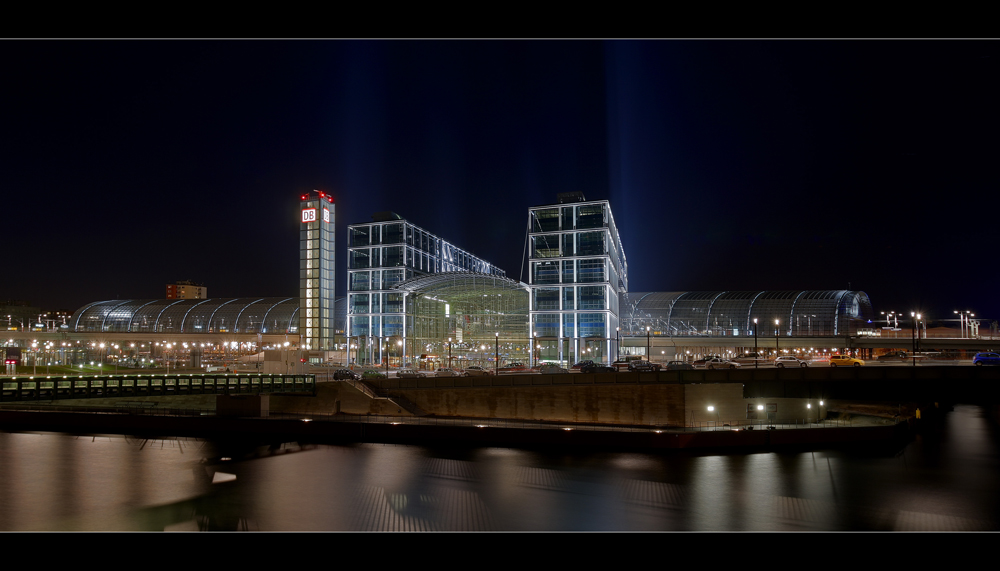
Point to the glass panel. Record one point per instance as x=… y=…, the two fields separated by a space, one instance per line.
x=358 y=236
x=547 y=324
x=359 y=281
x=590 y=216
x=568 y=294
x=546 y=299
x=590 y=244
x=545 y=246
x=590 y=270
x=592 y=297
x=591 y=324
x=545 y=220
x=545 y=272
x=568 y=277
x=392 y=234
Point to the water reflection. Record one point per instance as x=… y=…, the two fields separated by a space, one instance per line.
x=943 y=480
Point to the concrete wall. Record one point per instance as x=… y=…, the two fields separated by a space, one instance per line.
x=635 y=404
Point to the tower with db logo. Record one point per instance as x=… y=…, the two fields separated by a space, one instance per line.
x=316 y=271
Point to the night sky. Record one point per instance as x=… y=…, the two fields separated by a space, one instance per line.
x=730 y=165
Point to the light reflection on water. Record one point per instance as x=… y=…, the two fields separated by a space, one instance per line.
x=943 y=481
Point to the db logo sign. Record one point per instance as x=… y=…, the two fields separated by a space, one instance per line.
x=309 y=215
x=326 y=215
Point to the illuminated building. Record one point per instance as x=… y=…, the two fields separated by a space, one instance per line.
x=577 y=271
x=382 y=254
x=186 y=290
x=316 y=271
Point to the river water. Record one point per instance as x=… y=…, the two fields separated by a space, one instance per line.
x=943 y=480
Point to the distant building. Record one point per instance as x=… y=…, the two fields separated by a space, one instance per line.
x=187 y=290
x=577 y=273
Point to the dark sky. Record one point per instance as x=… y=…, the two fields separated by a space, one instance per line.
x=784 y=164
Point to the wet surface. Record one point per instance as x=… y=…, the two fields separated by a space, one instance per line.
x=944 y=480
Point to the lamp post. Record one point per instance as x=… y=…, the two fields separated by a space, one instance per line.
x=648 y=357
x=914 y=318
x=496 y=356
x=536 y=348
x=618 y=345
x=776 y=322
x=756 y=354
x=449 y=352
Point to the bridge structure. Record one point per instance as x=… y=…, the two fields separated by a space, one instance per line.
x=19 y=389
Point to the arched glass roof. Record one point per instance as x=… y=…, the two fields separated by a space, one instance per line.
x=725 y=313
x=275 y=315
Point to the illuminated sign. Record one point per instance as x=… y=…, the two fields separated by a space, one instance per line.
x=326 y=215
x=308 y=214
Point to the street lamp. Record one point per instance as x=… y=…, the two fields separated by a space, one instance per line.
x=914 y=318
x=756 y=354
x=496 y=356
x=648 y=357
x=449 y=352
x=776 y=322
x=618 y=345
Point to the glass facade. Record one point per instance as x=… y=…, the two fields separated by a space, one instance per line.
x=382 y=255
x=268 y=315
x=820 y=313
x=316 y=271
x=577 y=271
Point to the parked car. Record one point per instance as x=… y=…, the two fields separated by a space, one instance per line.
x=751 y=358
x=640 y=366
x=623 y=362
x=789 y=361
x=986 y=359
x=515 y=368
x=409 y=374
x=679 y=366
x=894 y=356
x=597 y=368
x=701 y=363
x=477 y=371
x=552 y=370
x=372 y=374
x=579 y=366
x=442 y=372
x=845 y=361
x=718 y=363
x=345 y=375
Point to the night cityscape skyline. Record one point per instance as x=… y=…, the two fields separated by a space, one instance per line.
x=730 y=165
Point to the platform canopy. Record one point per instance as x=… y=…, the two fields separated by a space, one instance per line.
x=724 y=313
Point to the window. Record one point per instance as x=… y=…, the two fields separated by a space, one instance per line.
x=546 y=299
x=545 y=272
x=545 y=220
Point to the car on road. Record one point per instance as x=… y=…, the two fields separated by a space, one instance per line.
x=640 y=366
x=551 y=370
x=789 y=361
x=346 y=375
x=442 y=372
x=624 y=361
x=986 y=359
x=894 y=356
x=515 y=368
x=679 y=366
x=409 y=374
x=597 y=368
x=579 y=366
x=718 y=363
x=477 y=371
x=845 y=361
x=751 y=358
x=372 y=374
